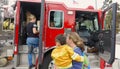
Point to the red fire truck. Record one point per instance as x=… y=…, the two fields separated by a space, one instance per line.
x=92 y=25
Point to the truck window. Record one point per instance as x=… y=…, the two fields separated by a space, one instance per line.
x=91 y=25
x=107 y=21
x=56 y=19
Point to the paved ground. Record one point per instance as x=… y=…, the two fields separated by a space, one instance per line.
x=94 y=63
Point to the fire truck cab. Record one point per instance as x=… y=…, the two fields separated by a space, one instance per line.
x=62 y=17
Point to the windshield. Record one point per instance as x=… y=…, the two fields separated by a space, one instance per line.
x=87 y=20
x=90 y=24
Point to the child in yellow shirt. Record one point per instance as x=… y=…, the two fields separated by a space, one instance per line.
x=63 y=54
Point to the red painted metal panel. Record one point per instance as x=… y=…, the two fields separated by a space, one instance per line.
x=51 y=33
x=99 y=18
x=16 y=38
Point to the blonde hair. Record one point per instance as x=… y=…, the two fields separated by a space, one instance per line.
x=77 y=40
x=32 y=17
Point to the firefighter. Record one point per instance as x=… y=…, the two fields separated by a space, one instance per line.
x=32 y=38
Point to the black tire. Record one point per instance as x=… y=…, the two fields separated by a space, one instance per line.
x=46 y=61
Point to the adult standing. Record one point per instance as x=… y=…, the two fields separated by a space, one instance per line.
x=32 y=38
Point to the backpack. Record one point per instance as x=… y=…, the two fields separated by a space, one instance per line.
x=86 y=64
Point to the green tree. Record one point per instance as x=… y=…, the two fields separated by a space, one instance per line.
x=109 y=15
x=108 y=20
x=118 y=22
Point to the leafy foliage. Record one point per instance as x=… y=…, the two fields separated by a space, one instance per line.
x=118 y=22
x=109 y=19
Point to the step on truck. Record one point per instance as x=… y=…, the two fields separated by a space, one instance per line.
x=58 y=17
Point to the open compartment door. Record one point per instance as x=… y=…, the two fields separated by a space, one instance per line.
x=107 y=35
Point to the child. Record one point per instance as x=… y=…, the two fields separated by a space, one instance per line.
x=63 y=54
x=74 y=40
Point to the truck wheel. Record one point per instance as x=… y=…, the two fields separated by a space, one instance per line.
x=48 y=62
